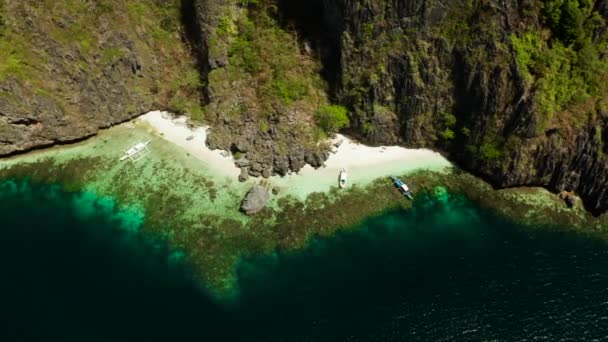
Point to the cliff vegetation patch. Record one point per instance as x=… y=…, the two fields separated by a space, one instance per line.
x=562 y=64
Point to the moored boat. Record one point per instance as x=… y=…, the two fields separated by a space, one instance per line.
x=402 y=187
x=343 y=179
x=136 y=151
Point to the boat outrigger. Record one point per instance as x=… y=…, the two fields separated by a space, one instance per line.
x=343 y=178
x=136 y=151
x=402 y=187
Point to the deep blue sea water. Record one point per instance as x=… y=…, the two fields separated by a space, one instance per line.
x=74 y=268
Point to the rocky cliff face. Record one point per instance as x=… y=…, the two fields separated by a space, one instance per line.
x=453 y=75
x=68 y=69
x=261 y=90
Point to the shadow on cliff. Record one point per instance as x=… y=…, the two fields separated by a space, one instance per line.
x=194 y=38
x=317 y=26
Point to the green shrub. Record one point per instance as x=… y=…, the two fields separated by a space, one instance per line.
x=264 y=126
x=449 y=119
x=11 y=59
x=290 y=90
x=332 y=118
x=368 y=31
x=197 y=113
x=489 y=151
x=265 y=64
x=448 y=134
x=367 y=128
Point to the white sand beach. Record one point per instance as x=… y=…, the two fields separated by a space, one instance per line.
x=192 y=139
x=364 y=163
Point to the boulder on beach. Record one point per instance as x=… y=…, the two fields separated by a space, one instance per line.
x=244 y=175
x=256 y=200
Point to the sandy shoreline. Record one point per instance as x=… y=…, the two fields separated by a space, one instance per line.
x=176 y=131
x=364 y=163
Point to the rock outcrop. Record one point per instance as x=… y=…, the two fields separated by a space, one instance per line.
x=256 y=199
x=66 y=71
x=260 y=101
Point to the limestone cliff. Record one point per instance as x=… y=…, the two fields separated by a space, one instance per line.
x=513 y=90
x=68 y=68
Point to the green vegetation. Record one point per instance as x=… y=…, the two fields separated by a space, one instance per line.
x=11 y=56
x=490 y=151
x=96 y=35
x=332 y=118
x=562 y=65
x=449 y=119
x=266 y=81
x=265 y=65
x=448 y=134
x=11 y=60
x=367 y=128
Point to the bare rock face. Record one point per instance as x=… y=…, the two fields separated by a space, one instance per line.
x=76 y=72
x=256 y=200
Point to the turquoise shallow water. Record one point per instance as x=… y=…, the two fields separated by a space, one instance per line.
x=74 y=268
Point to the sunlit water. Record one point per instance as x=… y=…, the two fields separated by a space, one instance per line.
x=74 y=268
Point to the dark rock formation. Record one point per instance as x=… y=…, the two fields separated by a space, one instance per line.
x=263 y=154
x=256 y=199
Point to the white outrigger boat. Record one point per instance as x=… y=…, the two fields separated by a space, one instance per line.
x=136 y=151
x=343 y=178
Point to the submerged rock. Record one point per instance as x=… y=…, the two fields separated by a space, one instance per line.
x=256 y=200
